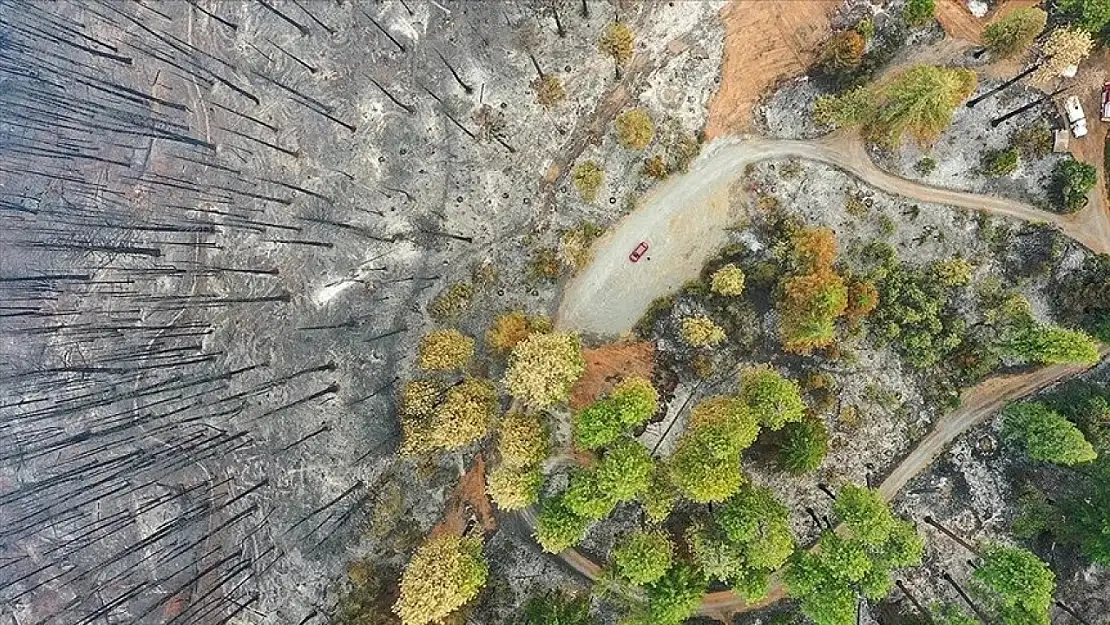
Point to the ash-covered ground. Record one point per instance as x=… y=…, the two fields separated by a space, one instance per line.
x=223 y=224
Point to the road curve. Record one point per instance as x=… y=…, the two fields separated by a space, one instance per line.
x=684 y=221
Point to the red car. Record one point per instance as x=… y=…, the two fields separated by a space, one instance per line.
x=638 y=252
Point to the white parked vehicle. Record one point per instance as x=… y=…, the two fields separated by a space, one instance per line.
x=1106 y=102
x=1076 y=118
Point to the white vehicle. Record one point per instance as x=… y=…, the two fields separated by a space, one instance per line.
x=1106 y=102
x=1075 y=115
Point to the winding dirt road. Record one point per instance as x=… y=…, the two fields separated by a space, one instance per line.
x=684 y=221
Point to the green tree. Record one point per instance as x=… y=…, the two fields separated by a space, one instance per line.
x=586 y=498
x=544 y=367
x=774 y=399
x=1015 y=33
x=558 y=527
x=804 y=446
x=918 y=101
x=625 y=470
x=643 y=557
x=728 y=281
x=865 y=512
x=1045 y=435
x=674 y=597
x=1046 y=344
x=1017 y=584
x=1087 y=514
x=1071 y=181
x=558 y=608
x=630 y=403
x=918 y=12
x=811 y=304
x=445 y=350
x=444 y=574
x=1090 y=15
x=725 y=422
x=701 y=473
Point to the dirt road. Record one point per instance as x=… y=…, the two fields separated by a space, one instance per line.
x=684 y=220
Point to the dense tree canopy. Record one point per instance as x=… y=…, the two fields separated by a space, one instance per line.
x=1063 y=48
x=544 y=367
x=1046 y=344
x=813 y=295
x=511 y=328
x=444 y=574
x=828 y=579
x=1045 y=435
x=514 y=488
x=436 y=419
x=918 y=102
x=674 y=597
x=1090 y=15
x=748 y=538
x=631 y=402
x=522 y=440
x=1014 y=33
x=642 y=557
x=772 y=398
x=706 y=464
x=1017 y=585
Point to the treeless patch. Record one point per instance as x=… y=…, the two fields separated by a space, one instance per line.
x=958 y=22
x=468 y=497
x=765 y=42
x=609 y=364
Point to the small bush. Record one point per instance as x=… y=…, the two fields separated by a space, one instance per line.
x=656 y=167
x=701 y=331
x=728 y=281
x=804 y=446
x=588 y=176
x=926 y=165
x=512 y=328
x=997 y=163
x=445 y=350
x=635 y=130
x=452 y=301
x=549 y=90
x=1033 y=142
x=918 y=12
x=544 y=265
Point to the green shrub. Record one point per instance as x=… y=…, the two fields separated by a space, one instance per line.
x=918 y=12
x=997 y=163
x=635 y=130
x=588 y=176
x=1071 y=181
x=804 y=446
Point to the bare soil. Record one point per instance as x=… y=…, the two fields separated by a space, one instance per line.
x=609 y=364
x=766 y=41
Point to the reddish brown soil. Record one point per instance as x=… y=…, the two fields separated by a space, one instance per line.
x=609 y=364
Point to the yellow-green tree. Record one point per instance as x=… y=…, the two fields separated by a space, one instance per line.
x=635 y=130
x=444 y=574
x=701 y=331
x=514 y=489
x=465 y=415
x=728 y=280
x=544 y=367
x=445 y=350
x=1064 y=48
x=588 y=176
x=522 y=440
x=918 y=102
x=512 y=328
x=617 y=42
